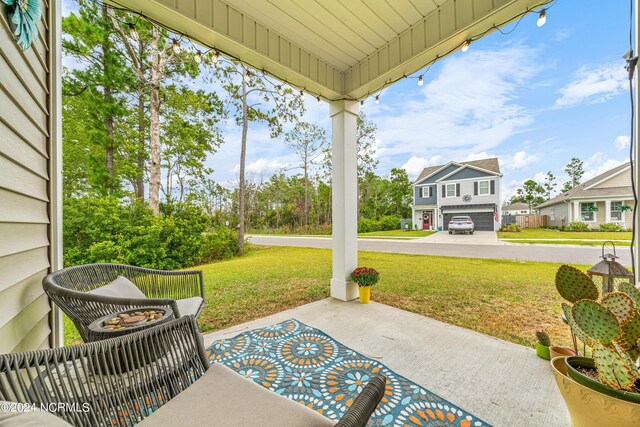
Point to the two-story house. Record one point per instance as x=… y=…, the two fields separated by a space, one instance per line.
x=458 y=188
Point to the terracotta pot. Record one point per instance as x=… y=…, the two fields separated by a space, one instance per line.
x=589 y=408
x=365 y=294
x=542 y=351
x=557 y=351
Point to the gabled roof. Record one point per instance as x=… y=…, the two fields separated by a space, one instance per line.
x=585 y=190
x=491 y=164
x=516 y=207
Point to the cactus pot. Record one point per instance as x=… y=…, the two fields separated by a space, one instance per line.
x=557 y=351
x=574 y=362
x=589 y=408
x=543 y=351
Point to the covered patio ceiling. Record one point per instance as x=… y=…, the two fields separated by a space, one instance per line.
x=336 y=49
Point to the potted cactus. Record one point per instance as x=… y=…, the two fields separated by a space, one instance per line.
x=609 y=324
x=543 y=343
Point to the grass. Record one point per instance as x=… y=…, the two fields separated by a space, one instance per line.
x=566 y=242
x=543 y=233
x=397 y=233
x=505 y=299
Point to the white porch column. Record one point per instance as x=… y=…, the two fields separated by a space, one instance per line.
x=576 y=211
x=344 y=175
x=607 y=211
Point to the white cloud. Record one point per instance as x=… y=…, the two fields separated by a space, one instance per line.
x=518 y=161
x=477 y=156
x=414 y=165
x=597 y=164
x=594 y=85
x=621 y=142
x=471 y=104
x=263 y=165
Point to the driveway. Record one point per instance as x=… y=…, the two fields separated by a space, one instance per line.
x=477 y=238
x=544 y=253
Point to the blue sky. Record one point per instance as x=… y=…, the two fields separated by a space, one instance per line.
x=534 y=98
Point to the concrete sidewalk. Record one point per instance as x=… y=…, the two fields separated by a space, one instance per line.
x=477 y=238
x=503 y=383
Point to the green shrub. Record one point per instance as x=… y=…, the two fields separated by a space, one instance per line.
x=611 y=227
x=389 y=223
x=578 y=226
x=106 y=230
x=512 y=228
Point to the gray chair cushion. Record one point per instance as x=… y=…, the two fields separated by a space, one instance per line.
x=221 y=397
x=189 y=305
x=121 y=287
x=35 y=418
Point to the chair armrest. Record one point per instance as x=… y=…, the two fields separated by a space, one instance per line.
x=179 y=284
x=363 y=406
x=95 y=374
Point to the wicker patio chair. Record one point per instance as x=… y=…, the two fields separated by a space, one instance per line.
x=68 y=289
x=127 y=379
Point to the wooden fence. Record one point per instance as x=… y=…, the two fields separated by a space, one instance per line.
x=526 y=221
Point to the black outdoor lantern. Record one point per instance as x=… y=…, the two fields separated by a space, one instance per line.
x=610 y=271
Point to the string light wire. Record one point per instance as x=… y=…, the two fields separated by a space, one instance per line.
x=547 y=4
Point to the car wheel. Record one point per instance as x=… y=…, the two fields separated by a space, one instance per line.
x=471 y=232
x=450 y=232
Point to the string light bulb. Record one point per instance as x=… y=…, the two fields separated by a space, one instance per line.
x=361 y=103
x=133 y=33
x=377 y=99
x=301 y=96
x=420 y=81
x=198 y=57
x=319 y=100
x=280 y=90
x=215 y=56
x=176 y=46
x=465 y=45
x=247 y=77
x=542 y=18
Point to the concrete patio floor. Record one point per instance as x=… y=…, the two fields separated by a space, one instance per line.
x=503 y=383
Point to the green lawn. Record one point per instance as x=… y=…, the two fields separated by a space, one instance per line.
x=505 y=299
x=566 y=242
x=542 y=233
x=397 y=233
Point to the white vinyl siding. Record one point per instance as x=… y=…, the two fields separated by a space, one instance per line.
x=25 y=152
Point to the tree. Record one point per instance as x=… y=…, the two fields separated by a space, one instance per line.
x=308 y=141
x=400 y=189
x=101 y=81
x=575 y=171
x=549 y=184
x=254 y=99
x=530 y=193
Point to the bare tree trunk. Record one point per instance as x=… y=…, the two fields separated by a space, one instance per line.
x=243 y=155
x=154 y=126
x=139 y=182
x=106 y=92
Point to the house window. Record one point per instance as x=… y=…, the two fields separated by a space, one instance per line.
x=586 y=212
x=483 y=188
x=616 y=211
x=451 y=190
x=427 y=192
x=552 y=215
x=523 y=212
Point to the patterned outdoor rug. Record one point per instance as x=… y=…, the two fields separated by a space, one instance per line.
x=306 y=365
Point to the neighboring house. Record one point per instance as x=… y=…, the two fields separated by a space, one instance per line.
x=516 y=209
x=607 y=192
x=458 y=188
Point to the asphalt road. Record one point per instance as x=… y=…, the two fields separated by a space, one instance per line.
x=545 y=253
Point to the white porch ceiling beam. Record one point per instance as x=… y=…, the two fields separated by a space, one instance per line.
x=440 y=32
x=236 y=31
x=215 y=24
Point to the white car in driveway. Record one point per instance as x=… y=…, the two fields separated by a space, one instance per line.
x=461 y=223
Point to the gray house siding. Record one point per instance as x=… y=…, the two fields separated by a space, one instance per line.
x=419 y=200
x=468 y=173
x=446 y=171
x=26 y=116
x=560 y=214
